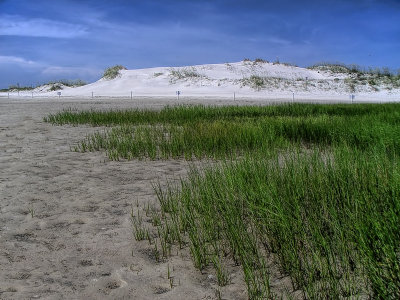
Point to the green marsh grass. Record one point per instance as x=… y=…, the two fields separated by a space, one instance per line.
x=314 y=188
x=330 y=219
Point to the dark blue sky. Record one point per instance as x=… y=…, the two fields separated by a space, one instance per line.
x=68 y=39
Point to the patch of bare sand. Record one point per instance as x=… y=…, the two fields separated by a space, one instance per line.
x=65 y=230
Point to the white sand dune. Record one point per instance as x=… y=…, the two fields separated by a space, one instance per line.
x=226 y=81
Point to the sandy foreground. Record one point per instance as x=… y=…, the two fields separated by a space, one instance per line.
x=65 y=229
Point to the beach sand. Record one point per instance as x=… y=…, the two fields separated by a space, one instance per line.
x=65 y=228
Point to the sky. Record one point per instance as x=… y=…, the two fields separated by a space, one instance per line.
x=45 y=40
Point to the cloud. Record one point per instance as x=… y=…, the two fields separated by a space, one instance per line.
x=36 y=27
x=17 y=61
x=47 y=70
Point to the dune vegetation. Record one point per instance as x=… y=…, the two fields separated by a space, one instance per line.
x=53 y=85
x=113 y=72
x=313 y=189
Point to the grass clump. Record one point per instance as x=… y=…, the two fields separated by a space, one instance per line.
x=351 y=68
x=260 y=60
x=357 y=76
x=313 y=189
x=255 y=82
x=200 y=131
x=16 y=88
x=69 y=83
x=335 y=67
x=182 y=114
x=113 y=72
x=183 y=73
x=331 y=220
x=55 y=85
